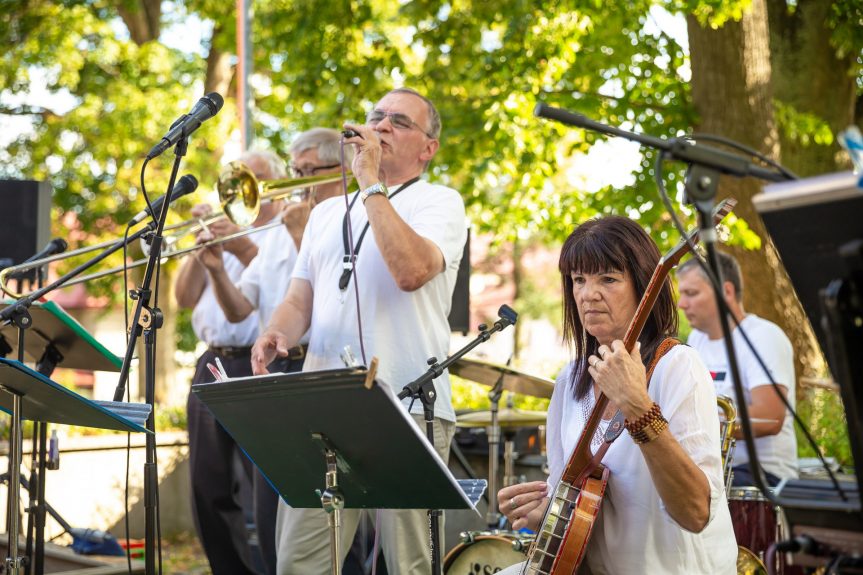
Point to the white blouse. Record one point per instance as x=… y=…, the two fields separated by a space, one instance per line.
x=634 y=533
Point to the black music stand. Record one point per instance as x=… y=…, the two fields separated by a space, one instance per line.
x=53 y=337
x=54 y=332
x=339 y=428
x=27 y=394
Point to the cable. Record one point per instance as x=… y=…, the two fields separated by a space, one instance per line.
x=666 y=200
x=352 y=252
x=738 y=146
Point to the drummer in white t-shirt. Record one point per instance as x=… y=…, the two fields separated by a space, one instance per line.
x=773 y=428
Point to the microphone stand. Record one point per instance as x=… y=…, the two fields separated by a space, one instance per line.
x=706 y=164
x=146 y=321
x=423 y=388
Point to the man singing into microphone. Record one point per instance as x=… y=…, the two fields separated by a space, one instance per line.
x=405 y=272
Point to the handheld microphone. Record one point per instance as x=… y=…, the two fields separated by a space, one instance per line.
x=185 y=185
x=206 y=108
x=351 y=134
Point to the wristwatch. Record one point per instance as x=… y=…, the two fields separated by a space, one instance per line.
x=378 y=188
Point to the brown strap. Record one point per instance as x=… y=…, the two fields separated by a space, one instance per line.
x=615 y=427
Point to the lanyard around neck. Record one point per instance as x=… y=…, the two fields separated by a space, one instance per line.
x=347 y=260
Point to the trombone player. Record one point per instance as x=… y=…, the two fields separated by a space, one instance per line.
x=263 y=284
x=219 y=517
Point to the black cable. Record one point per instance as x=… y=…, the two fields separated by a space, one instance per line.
x=352 y=248
x=144 y=189
x=714 y=282
x=738 y=146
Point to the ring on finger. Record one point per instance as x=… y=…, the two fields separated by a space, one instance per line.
x=512 y=504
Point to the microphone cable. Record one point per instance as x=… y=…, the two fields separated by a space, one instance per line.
x=352 y=255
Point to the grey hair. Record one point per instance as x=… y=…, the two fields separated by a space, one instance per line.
x=434 y=116
x=326 y=141
x=727 y=265
x=275 y=165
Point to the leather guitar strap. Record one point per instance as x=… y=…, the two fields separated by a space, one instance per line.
x=615 y=427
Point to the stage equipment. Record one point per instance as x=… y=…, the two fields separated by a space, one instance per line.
x=423 y=389
x=816 y=226
x=25 y=221
x=511 y=379
x=205 y=108
x=27 y=394
x=333 y=421
x=486 y=552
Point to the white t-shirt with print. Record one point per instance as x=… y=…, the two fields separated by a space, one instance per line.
x=777 y=453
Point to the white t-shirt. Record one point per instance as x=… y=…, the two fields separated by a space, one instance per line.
x=402 y=329
x=777 y=453
x=266 y=280
x=634 y=533
x=209 y=322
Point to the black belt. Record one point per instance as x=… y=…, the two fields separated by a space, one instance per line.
x=298 y=352
x=230 y=352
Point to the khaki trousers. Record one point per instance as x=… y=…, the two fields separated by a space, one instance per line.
x=303 y=539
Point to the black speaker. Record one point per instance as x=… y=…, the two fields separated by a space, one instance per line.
x=25 y=219
x=459 y=314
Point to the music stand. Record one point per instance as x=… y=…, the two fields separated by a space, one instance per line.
x=54 y=327
x=340 y=429
x=53 y=337
x=27 y=394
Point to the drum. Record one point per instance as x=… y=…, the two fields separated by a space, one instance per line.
x=486 y=552
x=756 y=525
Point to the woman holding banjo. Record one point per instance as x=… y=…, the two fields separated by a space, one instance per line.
x=664 y=509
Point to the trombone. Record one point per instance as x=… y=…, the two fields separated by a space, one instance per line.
x=240 y=197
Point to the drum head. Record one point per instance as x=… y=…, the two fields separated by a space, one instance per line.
x=487 y=554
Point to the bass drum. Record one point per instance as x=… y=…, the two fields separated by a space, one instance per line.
x=486 y=552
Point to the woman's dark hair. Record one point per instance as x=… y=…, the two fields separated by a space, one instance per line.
x=612 y=243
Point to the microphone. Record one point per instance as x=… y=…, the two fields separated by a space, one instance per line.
x=351 y=134
x=185 y=185
x=206 y=108
x=55 y=246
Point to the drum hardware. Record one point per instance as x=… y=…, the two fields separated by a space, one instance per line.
x=513 y=380
x=500 y=378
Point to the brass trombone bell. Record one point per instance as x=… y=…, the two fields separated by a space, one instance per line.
x=241 y=194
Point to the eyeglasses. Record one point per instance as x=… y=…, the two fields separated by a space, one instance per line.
x=397 y=119
x=311 y=171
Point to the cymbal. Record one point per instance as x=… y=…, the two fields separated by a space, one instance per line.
x=513 y=380
x=505 y=417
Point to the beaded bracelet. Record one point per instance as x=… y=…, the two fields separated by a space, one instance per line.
x=649 y=432
x=638 y=424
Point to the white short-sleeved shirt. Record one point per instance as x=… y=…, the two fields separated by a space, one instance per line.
x=634 y=533
x=402 y=329
x=208 y=320
x=266 y=280
x=777 y=453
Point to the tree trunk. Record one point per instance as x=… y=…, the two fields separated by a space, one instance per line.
x=733 y=94
x=143 y=19
x=813 y=79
